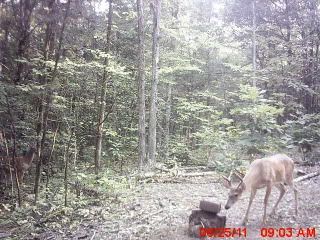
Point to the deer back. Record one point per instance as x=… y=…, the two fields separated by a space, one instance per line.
x=275 y=169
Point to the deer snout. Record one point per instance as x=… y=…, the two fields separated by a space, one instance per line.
x=227 y=207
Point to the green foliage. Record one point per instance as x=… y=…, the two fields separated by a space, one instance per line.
x=304 y=129
x=106 y=182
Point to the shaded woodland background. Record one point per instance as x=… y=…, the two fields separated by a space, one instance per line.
x=106 y=89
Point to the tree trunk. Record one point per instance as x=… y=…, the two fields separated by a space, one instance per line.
x=154 y=89
x=141 y=80
x=23 y=11
x=13 y=135
x=66 y=165
x=174 y=13
x=254 y=47
x=50 y=157
x=43 y=112
x=4 y=50
x=101 y=119
x=167 y=122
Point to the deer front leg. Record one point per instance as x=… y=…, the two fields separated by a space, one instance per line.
x=291 y=184
x=282 y=192
x=252 y=195
x=20 y=176
x=295 y=198
x=266 y=198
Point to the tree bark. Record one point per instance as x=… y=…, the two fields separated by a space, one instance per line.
x=154 y=88
x=66 y=165
x=254 y=46
x=101 y=119
x=167 y=122
x=13 y=135
x=41 y=122
x=6 y=26
x=50 y=157
x=141 y=81
x=174 y=13
x=44 y=110
x=23 y=11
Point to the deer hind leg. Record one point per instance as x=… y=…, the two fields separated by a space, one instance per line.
x=252 y=195
x=295 y=197
x=266 y=198
x=291 y=184
x=20 y=176
x=282 y=192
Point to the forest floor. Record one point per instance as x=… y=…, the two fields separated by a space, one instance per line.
x=161 y=211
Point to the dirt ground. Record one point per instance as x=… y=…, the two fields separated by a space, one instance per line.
x=161 y=210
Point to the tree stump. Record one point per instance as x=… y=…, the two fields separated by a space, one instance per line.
x=210 y=206
x=206 y=217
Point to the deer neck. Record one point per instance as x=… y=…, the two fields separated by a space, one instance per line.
x=29 y=157
x=247 y=182
x=250 y=180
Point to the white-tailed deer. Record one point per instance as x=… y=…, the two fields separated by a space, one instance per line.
x=22 y=164
x=267 y=172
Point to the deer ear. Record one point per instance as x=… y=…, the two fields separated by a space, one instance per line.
x=226 y=182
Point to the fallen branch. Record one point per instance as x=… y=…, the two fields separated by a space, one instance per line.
x=305 y=163
x=170 y=176
x=305 y=177
x=50 y=216
x=197 y=174
x=5 y=234
x=194 y=168
x=94 y=233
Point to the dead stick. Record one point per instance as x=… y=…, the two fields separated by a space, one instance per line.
x=305 y=177
x=94 y=233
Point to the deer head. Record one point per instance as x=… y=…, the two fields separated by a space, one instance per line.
x=235 y=192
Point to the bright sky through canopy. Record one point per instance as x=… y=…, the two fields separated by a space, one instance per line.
x=102 y=6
